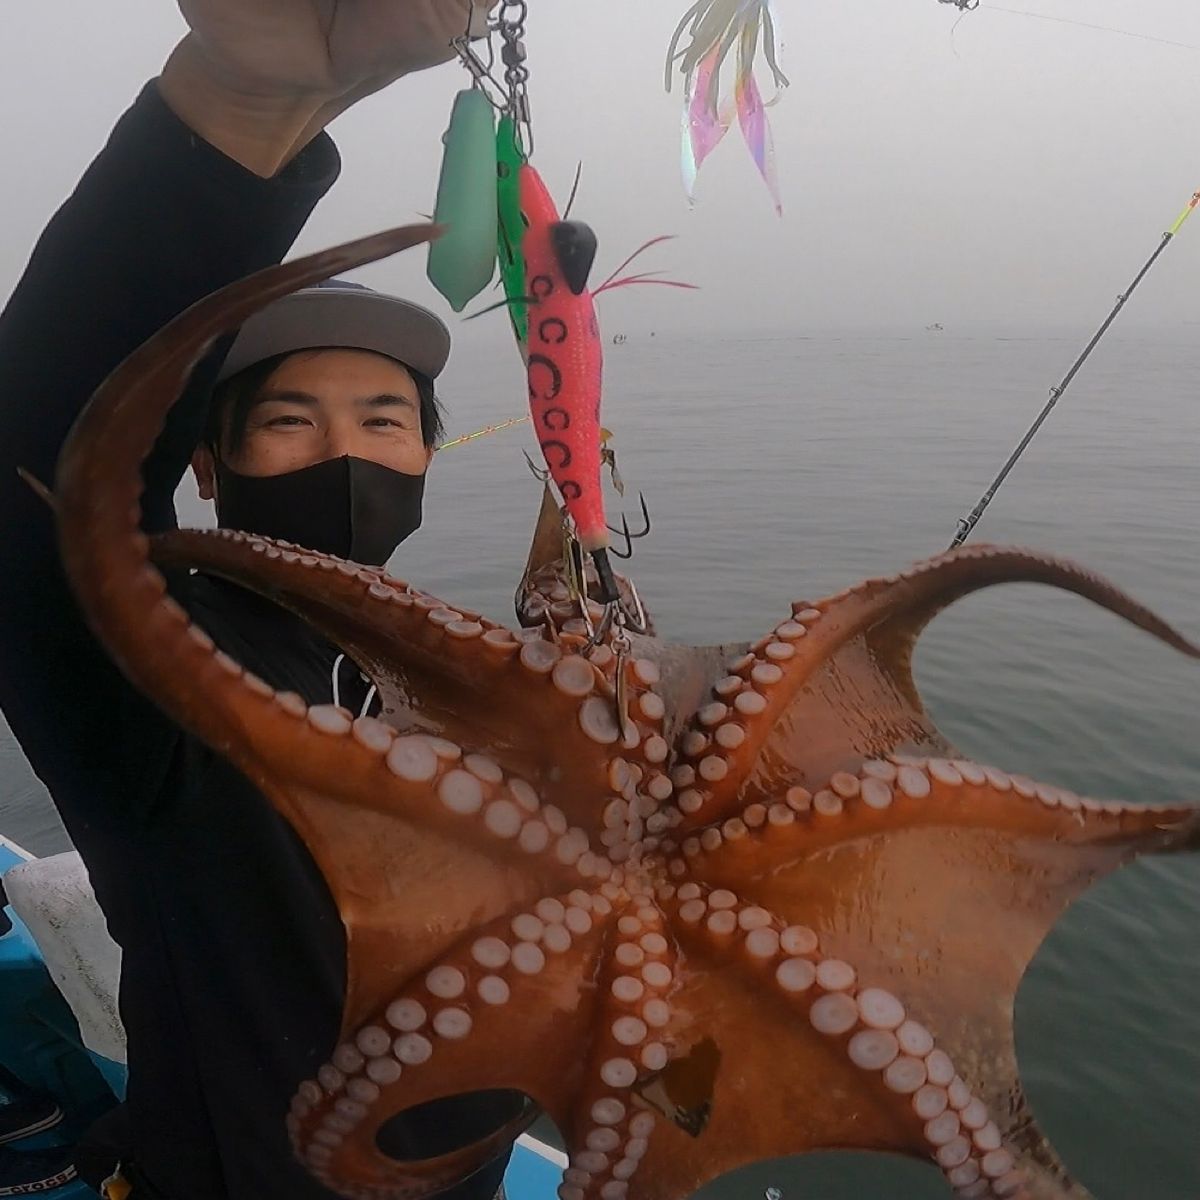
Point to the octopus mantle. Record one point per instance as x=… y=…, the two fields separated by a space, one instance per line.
x=744 y=919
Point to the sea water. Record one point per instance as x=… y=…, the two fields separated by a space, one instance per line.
x=785 y=468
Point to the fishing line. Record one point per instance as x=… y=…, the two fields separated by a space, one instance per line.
x=966 y=6
x=968 y=523
x=1144 y=37
x=470 y=437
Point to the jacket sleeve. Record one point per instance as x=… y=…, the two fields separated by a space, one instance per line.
x=158 y=221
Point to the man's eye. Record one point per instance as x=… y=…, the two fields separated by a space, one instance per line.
x=287 y=421
x=386 y=422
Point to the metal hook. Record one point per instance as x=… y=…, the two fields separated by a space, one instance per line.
x=622 y=645
x=645 y=521
x=577 y=580
x=637 y=619
x=629 y=537
x=602 y=628
x=481 y=73
x=541 y=474
x=627 y=553
x=480 y=28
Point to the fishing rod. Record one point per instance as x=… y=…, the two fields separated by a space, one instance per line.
x=968 y=523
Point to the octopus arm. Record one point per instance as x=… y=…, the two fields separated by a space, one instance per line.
x=893 y=612
x=426 y=649
x=833 y=682
x=935 y=800
x=853 y=1061
x=503 y=1010
x=440 y=670
x=895 y=872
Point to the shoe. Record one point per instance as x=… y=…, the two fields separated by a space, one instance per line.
x=22 y=1117
x=28 y=1173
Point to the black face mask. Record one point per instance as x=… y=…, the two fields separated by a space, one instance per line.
x=349 y=507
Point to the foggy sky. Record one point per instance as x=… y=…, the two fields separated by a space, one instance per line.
x=1019 y=175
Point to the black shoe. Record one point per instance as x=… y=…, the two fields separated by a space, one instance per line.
x=23 y=1116
x=27 y=1173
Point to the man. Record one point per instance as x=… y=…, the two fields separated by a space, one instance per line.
x=324 y=422
x=234 y=956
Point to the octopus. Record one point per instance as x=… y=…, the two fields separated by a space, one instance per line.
x=702 y=906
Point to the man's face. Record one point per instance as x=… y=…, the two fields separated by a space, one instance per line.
x=325 y=404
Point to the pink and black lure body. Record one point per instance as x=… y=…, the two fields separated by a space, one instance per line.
x=565 y=364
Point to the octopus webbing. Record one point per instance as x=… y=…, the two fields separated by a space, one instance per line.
x=763 y=908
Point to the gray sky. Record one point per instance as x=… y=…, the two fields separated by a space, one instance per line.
x=1019 y=175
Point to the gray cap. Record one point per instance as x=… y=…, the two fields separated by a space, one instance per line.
x=343 y=315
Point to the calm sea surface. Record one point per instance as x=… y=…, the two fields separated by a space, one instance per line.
x=785 y=468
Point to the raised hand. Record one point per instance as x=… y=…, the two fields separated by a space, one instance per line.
x=320 y=48
x=259 y=78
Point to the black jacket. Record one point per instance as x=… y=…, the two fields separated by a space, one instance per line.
x=233 y=973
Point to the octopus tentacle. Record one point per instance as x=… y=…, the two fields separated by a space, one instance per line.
x=931 y=1110
x=918 y=594
x=378 y=618
x=614 y=1147
x=363 y=607
x=729 y=734
x=935 y=844
x=638 y=814
x=430 y=781
x=941 y=850
x=894 y=612
x=610 y=1133
x=427 y=809
x=519 y=981
x=725 y=736
x=903 y=792
x=467 y=797
x=424 y=655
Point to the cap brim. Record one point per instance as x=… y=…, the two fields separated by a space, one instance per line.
x=346 y=318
